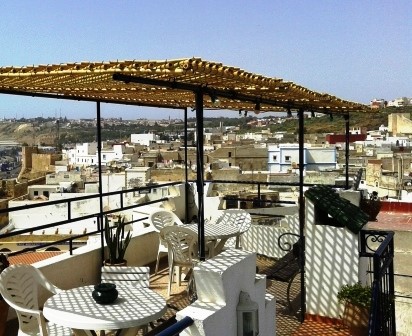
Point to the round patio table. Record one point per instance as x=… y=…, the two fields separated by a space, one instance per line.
x=216 y=235
x=75 y=308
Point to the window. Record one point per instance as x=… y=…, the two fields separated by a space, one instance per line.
x=66 y=176
x=52 y=176
x=230 y=154
x=287 y=158
x=36 y=193
x=46 y=193
x=275 y=157
x=104 y=156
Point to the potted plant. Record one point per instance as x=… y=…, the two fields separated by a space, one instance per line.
x=371 y=206
x=116 y=242
x=357 y=301
x=4 y=307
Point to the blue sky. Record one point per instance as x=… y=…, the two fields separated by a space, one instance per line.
x=356 y=50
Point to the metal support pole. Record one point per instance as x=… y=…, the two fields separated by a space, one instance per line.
x=186 y=174
x=302 y=214
x=347 y=135
x=200 y=172
x=99 y=155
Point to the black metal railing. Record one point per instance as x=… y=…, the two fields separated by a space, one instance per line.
x=69 y=203
x=171 y=327
x=379 y=247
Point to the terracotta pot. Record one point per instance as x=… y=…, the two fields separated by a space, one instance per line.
x=356 y=319
x=4 y=310
x=371 y=207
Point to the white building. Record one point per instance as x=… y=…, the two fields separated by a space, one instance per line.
x=112 y=154
x=285 y=157
x=257 y=136
x=399 y=102
x=83 y=154
x=377 y=103
x=41 y=191
x=65 y=177
x=135 y=174
x=145 y=139
x=86 y=154
x=375 y=136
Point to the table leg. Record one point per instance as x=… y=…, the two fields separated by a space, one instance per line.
x=219 y=246
x=211 y=245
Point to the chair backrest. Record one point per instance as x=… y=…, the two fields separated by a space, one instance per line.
x=236 y=217
x=181 y=243
x=163 y=218
x=19 y=286
x=126 y=275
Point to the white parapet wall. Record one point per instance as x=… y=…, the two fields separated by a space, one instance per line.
x=332 y=260
x=84 y=265
x=263 y=239
x=219 y=282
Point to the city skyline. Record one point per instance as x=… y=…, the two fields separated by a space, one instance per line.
x=356 y=51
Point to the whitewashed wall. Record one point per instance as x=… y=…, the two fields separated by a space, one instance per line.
x=28 y=218
x=218 y=286
x=263 y=239
x=332 y=260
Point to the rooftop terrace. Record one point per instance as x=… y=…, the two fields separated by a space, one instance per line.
x=287 y=321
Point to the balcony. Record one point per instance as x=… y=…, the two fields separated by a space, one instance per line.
x=263 y=239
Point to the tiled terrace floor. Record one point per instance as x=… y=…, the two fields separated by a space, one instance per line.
x=287 y=322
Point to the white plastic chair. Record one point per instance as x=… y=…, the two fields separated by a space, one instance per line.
x=159 y=220
x=182 y=243
x=237 y=217
x=19 y=286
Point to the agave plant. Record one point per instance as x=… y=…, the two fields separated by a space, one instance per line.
x=115 y=240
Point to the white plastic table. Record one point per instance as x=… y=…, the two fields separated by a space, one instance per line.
x=75 y=308
x=216 y=235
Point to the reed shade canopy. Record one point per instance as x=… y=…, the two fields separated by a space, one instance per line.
x=234 y=88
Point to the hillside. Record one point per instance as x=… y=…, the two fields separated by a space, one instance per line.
x=325 y=124
x=47 y=131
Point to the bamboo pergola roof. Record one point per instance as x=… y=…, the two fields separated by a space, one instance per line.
x=234 y=88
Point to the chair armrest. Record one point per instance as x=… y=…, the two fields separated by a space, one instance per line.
x=30 y=311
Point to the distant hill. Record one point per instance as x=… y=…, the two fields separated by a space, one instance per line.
x=324 y=124
x=47 y=132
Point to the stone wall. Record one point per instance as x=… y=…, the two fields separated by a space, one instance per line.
x=399 y=124
x=12 y=189
x=44 y=162
x=226 y=174
x=171 y=175
x=27 y=152
x=373 y=172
